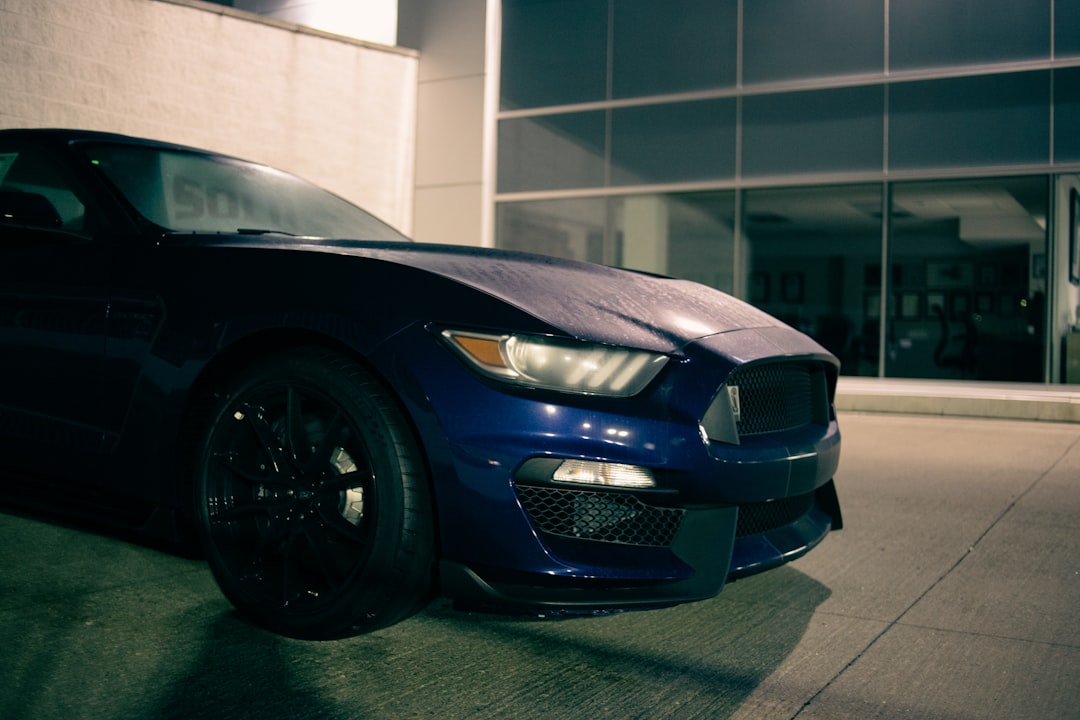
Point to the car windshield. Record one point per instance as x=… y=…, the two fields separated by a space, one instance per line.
x=187 y=191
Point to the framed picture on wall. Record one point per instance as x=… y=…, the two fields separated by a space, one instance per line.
x=872 y=306
x=934 y=300
x=910 y=306
x=1074 y=236
x=949 y=274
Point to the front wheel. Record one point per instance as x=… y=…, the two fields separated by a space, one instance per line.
x=312 y=502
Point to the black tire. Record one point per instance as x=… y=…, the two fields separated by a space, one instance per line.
x=312 y=502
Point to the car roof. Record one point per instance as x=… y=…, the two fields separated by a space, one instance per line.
x=68 y=135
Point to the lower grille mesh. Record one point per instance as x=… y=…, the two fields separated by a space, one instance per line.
x=756 y=518
x=600 y=516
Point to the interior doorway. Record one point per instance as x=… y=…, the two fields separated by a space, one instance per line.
x=969 y=277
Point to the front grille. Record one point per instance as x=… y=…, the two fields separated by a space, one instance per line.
x=774 y=397
x=756 y=518
x=599 y=516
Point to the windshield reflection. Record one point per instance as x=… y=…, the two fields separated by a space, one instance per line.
x=193 y=192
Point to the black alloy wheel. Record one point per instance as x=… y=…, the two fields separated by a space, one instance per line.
x=312 y=500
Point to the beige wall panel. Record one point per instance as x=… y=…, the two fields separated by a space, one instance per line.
x=450 y=129
x=452 y=38
x=449 y=215
x=455 y=125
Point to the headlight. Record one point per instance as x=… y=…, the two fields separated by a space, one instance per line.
x=555 y=364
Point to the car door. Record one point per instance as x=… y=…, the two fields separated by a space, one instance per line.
x=53 y=309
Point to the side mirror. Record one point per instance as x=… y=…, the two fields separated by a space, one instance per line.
x=28 y=209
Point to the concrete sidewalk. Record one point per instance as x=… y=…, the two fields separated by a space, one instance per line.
x=950 y=594
x=1005 y=401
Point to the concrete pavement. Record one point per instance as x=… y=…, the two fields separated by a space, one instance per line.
x=951 y=593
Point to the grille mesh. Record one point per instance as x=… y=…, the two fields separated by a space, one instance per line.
x=600 y=516
x=755 y=518
x=774 y=397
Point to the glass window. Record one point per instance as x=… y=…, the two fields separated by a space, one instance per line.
x=685 y=235
x=554 y=52
x=1067 y=115
x=673 y=142
x=972 y=121
x=795 y=39
x=968 y=279
x=1066 y=28
x=934 y=33
x=814 y=254
x=551 y=152
x=573 y=229
x=806 y=132
x=673 y=46
x=36 y=191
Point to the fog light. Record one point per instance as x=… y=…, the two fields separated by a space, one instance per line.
x=590 y=472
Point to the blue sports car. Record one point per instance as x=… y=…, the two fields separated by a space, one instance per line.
x=347 y=423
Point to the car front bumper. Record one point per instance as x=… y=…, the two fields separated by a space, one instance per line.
x=513 y=537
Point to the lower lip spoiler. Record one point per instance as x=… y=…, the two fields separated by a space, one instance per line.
x=706 y=543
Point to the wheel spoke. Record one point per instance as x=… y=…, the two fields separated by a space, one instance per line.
x=248 y=475
x=268 y=441
x=296 y=436
x=345 y=481
x=266 y=562
x=291 y=575
x=331 y=440
x=275 y=531
x=239 y=512
x=324 y=550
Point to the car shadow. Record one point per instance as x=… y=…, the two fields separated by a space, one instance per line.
x=702 y=659
x=94 y=627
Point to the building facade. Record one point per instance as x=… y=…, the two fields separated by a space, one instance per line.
x=897 y=177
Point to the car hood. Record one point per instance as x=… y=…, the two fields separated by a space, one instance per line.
x=584 y=300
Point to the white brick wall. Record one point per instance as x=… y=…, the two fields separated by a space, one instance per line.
x=338 y=112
